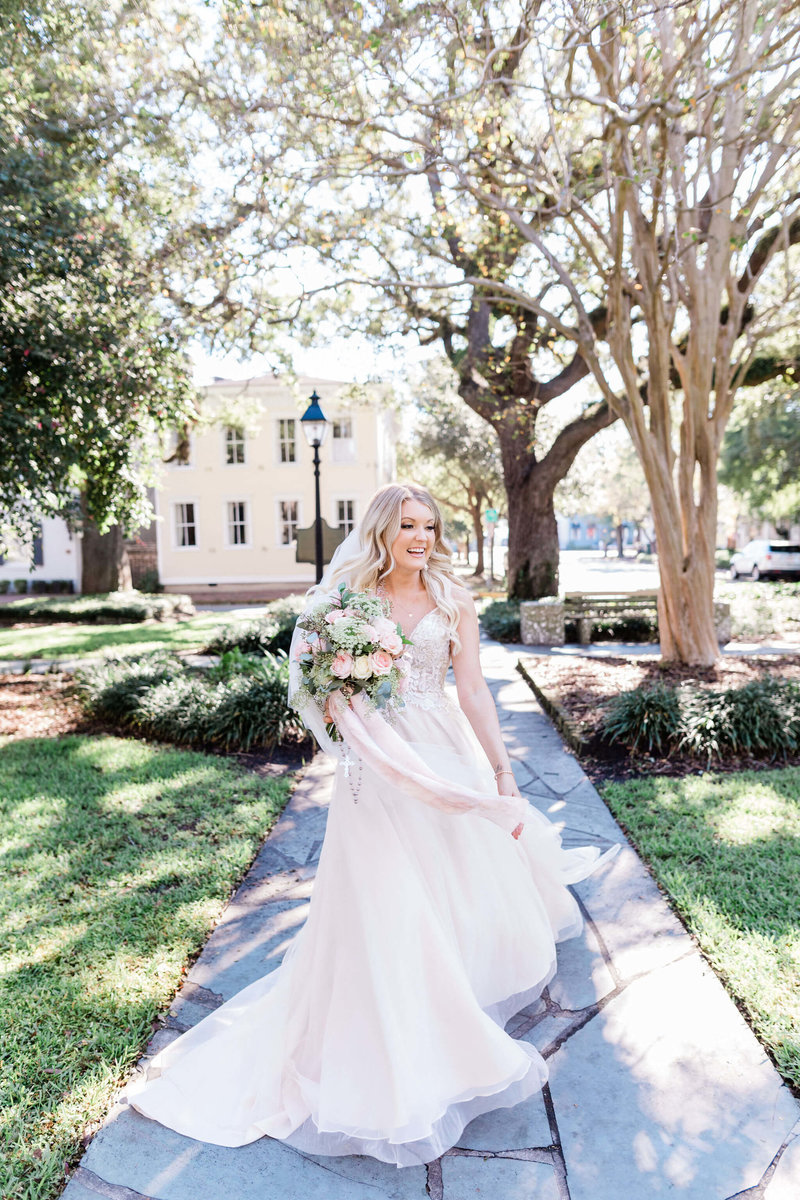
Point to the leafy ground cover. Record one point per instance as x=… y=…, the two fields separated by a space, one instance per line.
x=726 y=847
x=77 y=641
x=118 y=858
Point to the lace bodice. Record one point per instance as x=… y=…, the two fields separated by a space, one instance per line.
x=429 y=657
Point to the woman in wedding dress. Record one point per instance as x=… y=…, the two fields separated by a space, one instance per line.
x=438 y=901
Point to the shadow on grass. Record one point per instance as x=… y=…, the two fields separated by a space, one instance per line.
x=117 y=856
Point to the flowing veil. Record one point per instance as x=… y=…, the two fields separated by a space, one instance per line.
x=310 y=715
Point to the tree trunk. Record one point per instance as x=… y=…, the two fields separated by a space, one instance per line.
x=619 y=532
x=477 y=525
x=686 y=569
x=532 y=539
x=105 y=565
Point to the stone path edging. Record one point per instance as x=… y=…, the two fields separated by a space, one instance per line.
x=657 y=1085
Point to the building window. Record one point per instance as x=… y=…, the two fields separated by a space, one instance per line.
x=343 y=443
x=179 y=449
x=185 y=525
x=345 y=515
x=234 y=445
x=286 y=439
x=237 y=523
x=288 y=521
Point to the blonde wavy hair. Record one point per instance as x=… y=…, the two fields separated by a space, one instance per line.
x=372 y=560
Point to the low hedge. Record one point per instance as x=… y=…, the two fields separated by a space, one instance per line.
x=631 y=627
x=268 y=634
x=108 y=608
x=236 y=706
x=500 y=620
x=762 y=719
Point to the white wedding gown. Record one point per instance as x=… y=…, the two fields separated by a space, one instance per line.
x=381 y=1032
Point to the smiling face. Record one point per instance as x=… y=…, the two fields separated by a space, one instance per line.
x=413 y=545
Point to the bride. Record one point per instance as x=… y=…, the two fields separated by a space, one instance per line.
x=434 y=918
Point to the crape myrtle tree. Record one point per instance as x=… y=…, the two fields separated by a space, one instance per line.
x=555 y=192
x=455 y=453
x=91 y=372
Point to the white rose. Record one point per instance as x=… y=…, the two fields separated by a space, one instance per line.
x=362 y=668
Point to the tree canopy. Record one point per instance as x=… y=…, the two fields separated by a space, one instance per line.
x=91 y=370
x=556 y=192
x=761 y=454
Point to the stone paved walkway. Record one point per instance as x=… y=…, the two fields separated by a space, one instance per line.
x=657 y=1086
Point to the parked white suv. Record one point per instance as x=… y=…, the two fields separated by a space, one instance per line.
x=761 y=559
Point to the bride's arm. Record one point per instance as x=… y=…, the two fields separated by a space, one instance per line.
x=476 y=699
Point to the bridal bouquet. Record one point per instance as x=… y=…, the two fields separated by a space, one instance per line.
x=350 y=645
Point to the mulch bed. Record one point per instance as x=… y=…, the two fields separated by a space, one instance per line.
x=33 y=706
x=39 y=706
x=582 y=686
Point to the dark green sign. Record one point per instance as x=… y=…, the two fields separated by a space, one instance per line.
x=331 y=538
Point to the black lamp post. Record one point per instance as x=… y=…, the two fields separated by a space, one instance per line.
x=315 y=427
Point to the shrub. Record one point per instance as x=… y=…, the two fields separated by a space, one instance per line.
x=500 y=620
x=113 y=607
x=149 y=581
x=645 y=717
x=111 y=688
x=21 y=586
x=762 y=718
x=4 y=586
x=628 y=627
x=240 y=705
x=264 y=635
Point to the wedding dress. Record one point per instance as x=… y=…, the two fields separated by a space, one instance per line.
x=381 y=1033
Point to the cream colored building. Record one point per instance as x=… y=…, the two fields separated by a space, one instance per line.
x=228 y=516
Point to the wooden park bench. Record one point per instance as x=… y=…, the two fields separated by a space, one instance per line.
x=586 y=608
x=542 y=621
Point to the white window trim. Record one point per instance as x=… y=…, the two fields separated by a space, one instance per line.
x=279 y=542
x=245 y=441
x=176 y=546
x=337 y=500
x=277 y=427
x=248 y=523
x=343 y=450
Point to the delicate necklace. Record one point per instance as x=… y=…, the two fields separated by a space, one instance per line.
x=381 y=591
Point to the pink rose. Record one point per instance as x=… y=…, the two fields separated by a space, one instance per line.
x=383 y=626
x=381 y=662
x=302 y=647
x=391 y=642
x=369 y=633
x=333 y=616
x=342 y=664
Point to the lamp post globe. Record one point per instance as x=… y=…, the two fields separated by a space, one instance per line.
x=315 y=427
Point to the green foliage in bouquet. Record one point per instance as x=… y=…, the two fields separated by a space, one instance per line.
x=350 y=645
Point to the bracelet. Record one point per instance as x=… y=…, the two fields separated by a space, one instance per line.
x=497 y=774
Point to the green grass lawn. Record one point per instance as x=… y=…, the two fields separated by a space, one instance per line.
x=117 y=857
x=75 y=641
x=727 y=849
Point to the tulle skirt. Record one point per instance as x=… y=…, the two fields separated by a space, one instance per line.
x=381 y=1033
